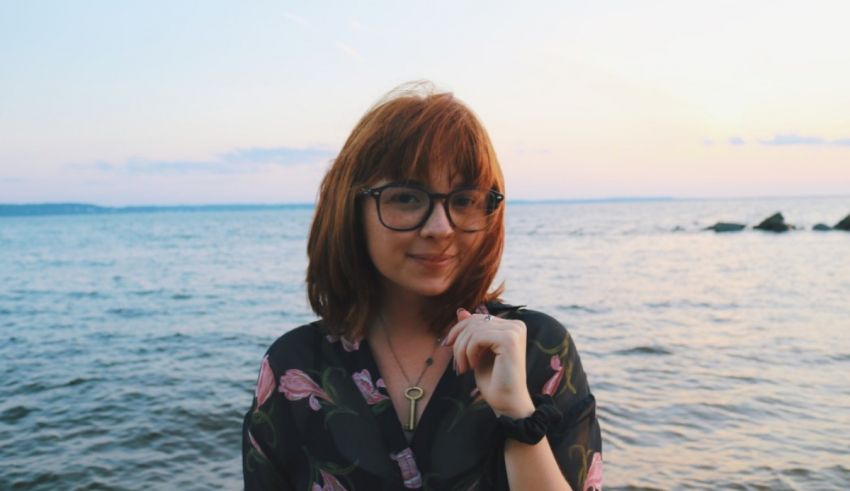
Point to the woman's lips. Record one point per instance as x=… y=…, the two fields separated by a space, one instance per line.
x=432 y=260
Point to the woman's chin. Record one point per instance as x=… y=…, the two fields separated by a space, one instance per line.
x=432 y=292
x=429 y=289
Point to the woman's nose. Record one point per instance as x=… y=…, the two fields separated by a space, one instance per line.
x=438 y=223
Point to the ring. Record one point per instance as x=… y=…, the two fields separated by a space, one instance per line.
x=487 y=317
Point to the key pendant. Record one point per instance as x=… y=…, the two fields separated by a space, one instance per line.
x=412 y=394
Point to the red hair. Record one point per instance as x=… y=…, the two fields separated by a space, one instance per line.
x=411 y=133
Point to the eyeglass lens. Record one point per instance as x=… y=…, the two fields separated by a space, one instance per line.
x=406 y=208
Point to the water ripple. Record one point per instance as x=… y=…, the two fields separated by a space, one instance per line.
x=644 y=350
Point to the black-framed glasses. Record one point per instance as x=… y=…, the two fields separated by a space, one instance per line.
x=405 y=207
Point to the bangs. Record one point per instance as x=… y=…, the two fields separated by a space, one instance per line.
x=434 y=136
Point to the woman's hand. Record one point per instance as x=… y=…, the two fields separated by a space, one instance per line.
x=494 y=348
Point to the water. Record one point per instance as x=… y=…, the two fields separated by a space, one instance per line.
x=129 y=344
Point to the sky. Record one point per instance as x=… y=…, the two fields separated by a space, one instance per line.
x=201 y=102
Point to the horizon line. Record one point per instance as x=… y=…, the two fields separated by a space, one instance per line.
x=509 y=200
x=519 y=201
x=72 y=208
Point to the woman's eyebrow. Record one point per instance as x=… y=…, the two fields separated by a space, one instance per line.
x=412 y=182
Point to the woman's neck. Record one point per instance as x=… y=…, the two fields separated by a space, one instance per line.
x=401 y=313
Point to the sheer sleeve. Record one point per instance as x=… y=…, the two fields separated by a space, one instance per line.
x=262 y=452
x=555 y=369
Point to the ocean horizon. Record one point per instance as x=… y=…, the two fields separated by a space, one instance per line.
x=83 y=208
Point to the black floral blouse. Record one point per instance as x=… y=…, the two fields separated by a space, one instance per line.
x=321 y=419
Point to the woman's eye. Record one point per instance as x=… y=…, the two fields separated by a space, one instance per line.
x=404 y=198
x=463 y=201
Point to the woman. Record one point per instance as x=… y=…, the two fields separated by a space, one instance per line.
x=416 y=376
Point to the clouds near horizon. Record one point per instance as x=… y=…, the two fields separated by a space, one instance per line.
x=236 y=161
x=794 y=139
x=789 y=139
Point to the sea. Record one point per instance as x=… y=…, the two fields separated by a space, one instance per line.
x=130 y=342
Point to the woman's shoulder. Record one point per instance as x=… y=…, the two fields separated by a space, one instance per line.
x=554 y=364
x=297 y=347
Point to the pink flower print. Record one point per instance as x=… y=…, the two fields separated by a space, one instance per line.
x=363 y=381
x=297 y=385
x=265 y=383
x=551 y=386
x=409 y=471
x=255 y=444
x=346 y=344
x=593 y=481
x=331 y=483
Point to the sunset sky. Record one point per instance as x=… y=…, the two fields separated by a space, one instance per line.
x=179 y=102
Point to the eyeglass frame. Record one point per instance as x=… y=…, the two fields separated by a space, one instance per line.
x=496 y=196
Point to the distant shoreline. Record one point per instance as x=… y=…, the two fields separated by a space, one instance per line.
x=53 y=209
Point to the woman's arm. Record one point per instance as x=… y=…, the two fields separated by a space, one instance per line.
x=260 y=436
x=495 y=349
x=532 y=466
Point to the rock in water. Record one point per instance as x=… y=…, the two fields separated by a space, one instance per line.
x=774 y=223
x=726 y=227
x=821 y=227
x=843 y=224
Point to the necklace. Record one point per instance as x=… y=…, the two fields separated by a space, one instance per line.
x=414 y=391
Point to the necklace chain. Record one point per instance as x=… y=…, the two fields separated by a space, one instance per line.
x=428 y=361
x=413 y=392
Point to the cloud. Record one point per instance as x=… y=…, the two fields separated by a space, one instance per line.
x=793 y=139
x=237 y=161
x=708 y=143
x=356 y=26
x=278 y=155
x=348 y=50
x=736 y=140
x=296 y=18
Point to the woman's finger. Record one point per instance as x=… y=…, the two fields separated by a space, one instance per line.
x=487 y=332
x=462 y=315
x=478 y=345
x=461 y=342
x=493 y=334
x=459 y=348
x=496 y=341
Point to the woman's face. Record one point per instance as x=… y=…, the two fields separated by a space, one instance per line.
x=424 y=261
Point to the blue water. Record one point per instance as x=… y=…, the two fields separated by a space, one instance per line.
x=129 y=344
